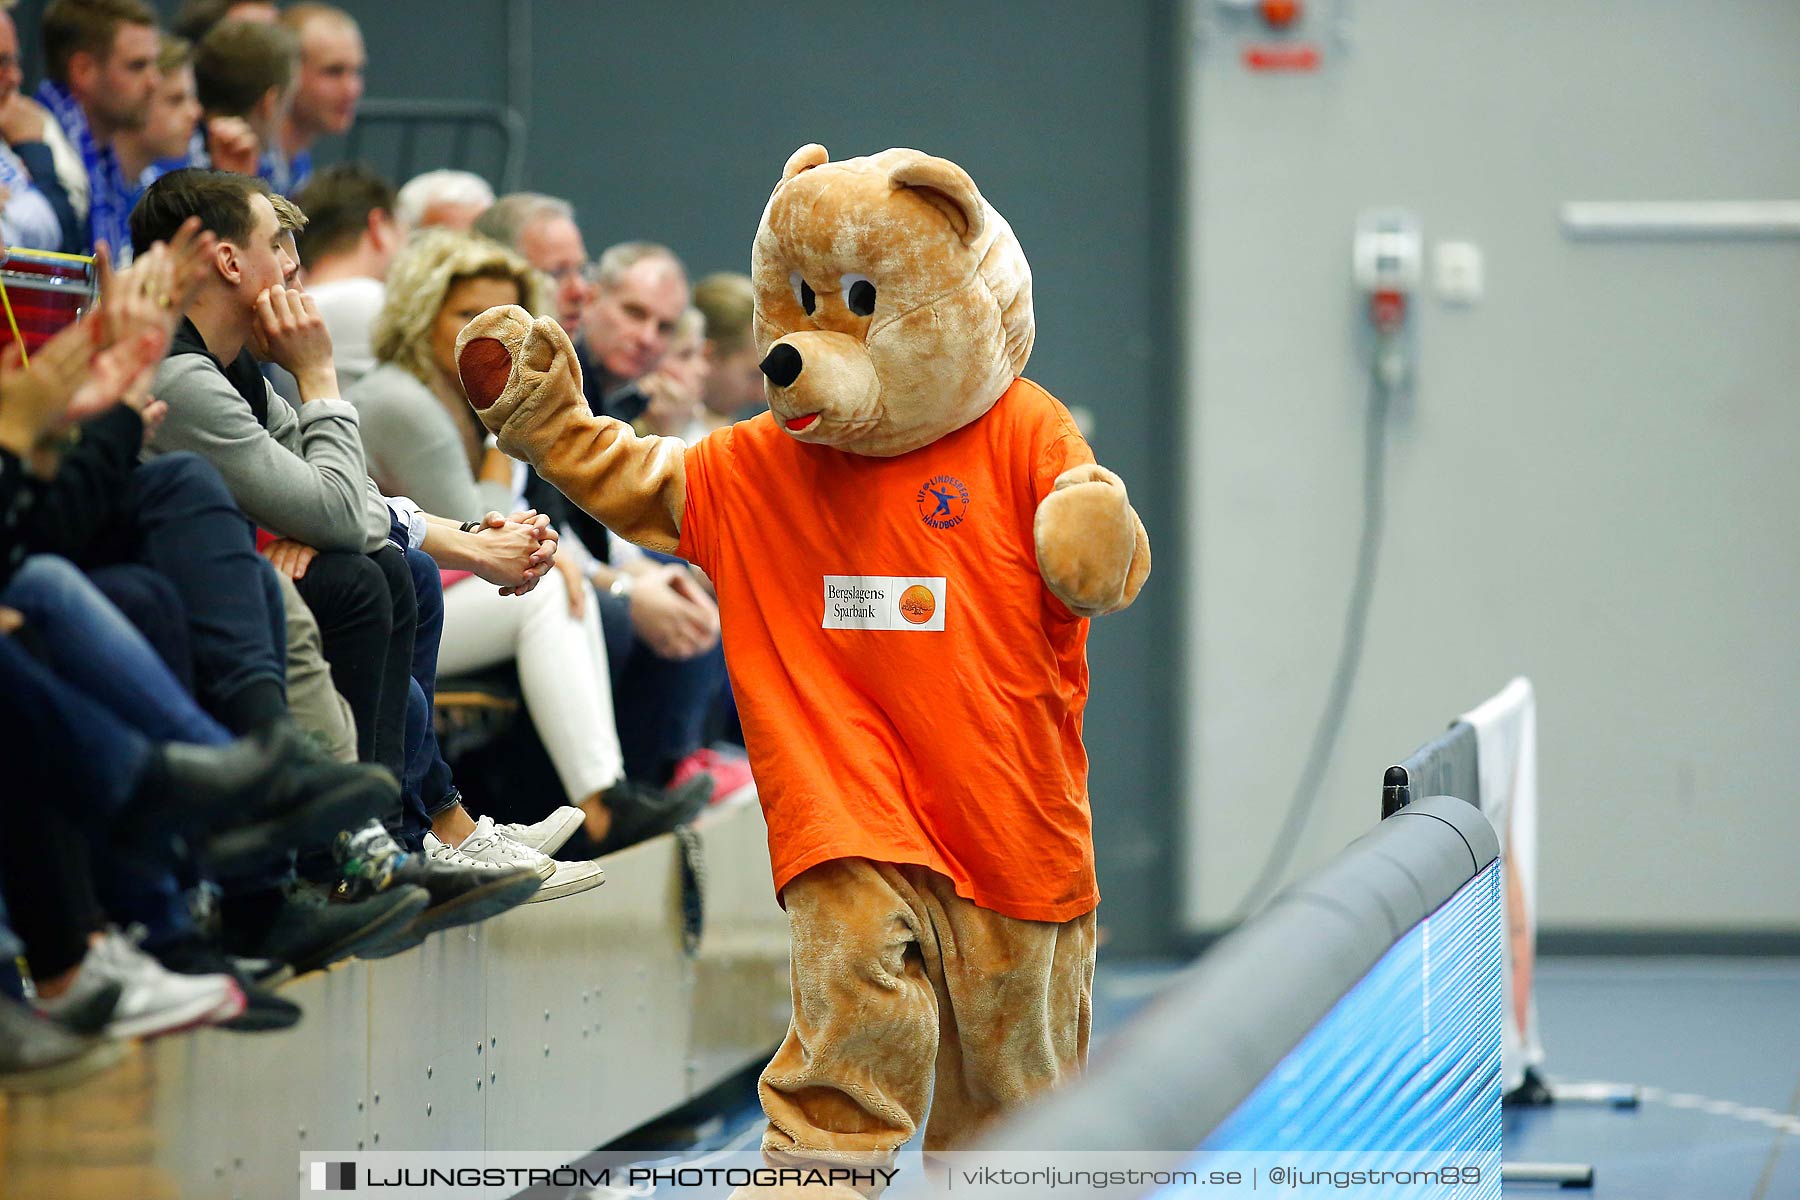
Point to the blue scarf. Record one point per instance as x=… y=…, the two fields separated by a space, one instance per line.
x=285 y=175
x=13 y=175
x=109 y=198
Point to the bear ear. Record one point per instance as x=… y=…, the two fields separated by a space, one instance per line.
x=804 y=159
x=948 y=187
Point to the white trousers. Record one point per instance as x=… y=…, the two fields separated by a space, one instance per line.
x=562 y=666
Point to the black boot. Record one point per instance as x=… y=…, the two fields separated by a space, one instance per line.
x=304 y=926
x=246 y=804
x=640 y=812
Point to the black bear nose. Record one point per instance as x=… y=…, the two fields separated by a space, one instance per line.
x=782 y=366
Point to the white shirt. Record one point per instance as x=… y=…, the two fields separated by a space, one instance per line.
x=349 y=308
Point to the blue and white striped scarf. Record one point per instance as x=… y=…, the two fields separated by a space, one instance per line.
x=109 y=198
x=13 y=175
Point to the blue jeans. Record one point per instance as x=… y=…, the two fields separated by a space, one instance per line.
x=46 y=720
x=192 y=532
x=146 y=598
x=89 y=644
x=74 y=765
x=98 y=700
x=427 y=788
x=662 y=705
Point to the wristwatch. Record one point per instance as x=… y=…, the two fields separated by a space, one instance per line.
x=620 y=587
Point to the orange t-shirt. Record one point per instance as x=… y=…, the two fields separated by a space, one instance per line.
x=910 y=691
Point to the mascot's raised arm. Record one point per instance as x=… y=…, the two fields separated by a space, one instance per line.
x=907 y=549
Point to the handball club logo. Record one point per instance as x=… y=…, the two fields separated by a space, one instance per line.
x=943 y=502
x=917 y=603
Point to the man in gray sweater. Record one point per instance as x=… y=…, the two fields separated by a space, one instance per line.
x=300 y=476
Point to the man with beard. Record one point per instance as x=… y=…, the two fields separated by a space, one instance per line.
x=100 y=77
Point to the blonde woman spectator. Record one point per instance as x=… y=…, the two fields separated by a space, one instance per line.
x=422 y=438
x=423 y=441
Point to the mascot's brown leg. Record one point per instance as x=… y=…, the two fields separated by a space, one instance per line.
x=897 y=981
x=1016 y=1005
x=850 y=1082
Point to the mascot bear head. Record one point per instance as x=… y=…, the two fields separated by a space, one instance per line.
x=893 y=304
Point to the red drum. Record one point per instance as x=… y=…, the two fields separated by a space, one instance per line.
x=42 y=292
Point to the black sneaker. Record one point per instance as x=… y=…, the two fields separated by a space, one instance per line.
x=263 y=972
x=263 y=1009
x=372 y=862
x=90 y=1016
x=310 y=930
x=640 y=812
x=37 y=1054
x=248 y=803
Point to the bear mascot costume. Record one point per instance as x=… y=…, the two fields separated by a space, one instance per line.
x=907 y=549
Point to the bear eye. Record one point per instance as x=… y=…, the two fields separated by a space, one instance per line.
x=859 y=294
x=803 y=293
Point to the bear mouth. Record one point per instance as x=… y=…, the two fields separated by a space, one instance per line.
x=799 y=423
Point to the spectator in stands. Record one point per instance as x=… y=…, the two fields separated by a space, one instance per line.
x=734 y=386
x=423 y=440
x=447 y=832
x=195 y=18
x=35 y=212
x=117 y=693
x=543 y=230
x=444 y=200
x=420 y=434
x=331 y=86
x=300 y=476
x=165 y=142
x=244 y=76
x=350 y=239
x=661 y=623
x=303 y=478
x=158 y=768
x=640 y=291
x=675 y=387
x=100 y=75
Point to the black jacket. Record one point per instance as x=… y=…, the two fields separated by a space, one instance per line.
x=87 y=513
x=18 y=496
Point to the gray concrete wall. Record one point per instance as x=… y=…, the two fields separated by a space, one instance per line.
x=1593 y=484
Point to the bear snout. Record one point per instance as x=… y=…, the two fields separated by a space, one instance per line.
x=782 y=365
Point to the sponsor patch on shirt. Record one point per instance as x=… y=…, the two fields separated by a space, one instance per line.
x=901 y=602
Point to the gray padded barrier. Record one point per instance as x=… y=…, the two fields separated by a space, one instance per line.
x=1444 y=766
x=1202 y=1047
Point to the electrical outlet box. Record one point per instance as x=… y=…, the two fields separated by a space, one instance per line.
x=1458 y=269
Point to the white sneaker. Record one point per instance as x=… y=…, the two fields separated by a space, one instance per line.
x=569 y=879
x=486 y=847
x=566 y=878
x=154 y=1001
x=548 y=835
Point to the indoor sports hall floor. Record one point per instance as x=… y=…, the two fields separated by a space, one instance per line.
x=1714 y=1043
